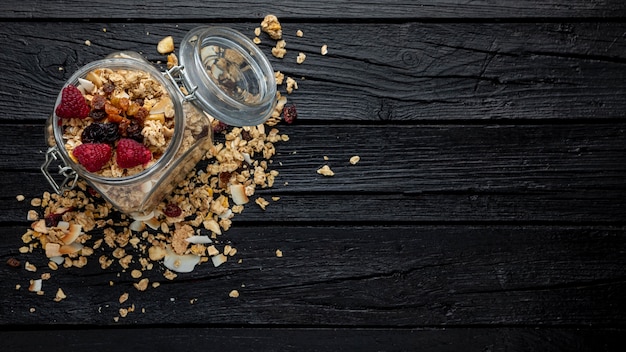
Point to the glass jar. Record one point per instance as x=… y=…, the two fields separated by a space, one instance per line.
x=224 y=75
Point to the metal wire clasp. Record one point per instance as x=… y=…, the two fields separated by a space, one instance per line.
x=176 y=74
x=70 y=176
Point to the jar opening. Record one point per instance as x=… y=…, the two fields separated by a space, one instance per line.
x=179 y=120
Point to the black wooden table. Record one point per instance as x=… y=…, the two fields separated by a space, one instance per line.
x=487 y=212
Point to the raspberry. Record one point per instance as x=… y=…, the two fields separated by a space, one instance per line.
x=131 y=153
x=72 y=104
x=93 y=156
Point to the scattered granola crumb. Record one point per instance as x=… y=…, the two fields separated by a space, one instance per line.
x=257 y=31
x=234 y=294
x=172 y=60
x=279 y=253
x=45 y=276
x=30 y=267
x=123 y=312
x=256 y=40
x=142 y=285
x=326 y=157
x=20 y=198
x=291 y=85
x=299 y=33
x=355 y=159
x=135 y=274
x=279 y=50
x=272 y=27
x=52 y=265
x=324 y=49
x=123 y=298
x=32 y=215
x=261 y=202
x=32 y=310
x=60 y=295
x=18 y=286
x=301 y=57
x=88 y=42
x=326 y=171
x=279 y=76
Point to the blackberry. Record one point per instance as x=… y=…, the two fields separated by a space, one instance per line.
x=100 y=133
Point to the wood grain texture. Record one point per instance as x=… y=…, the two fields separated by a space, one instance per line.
x=396 y=9
x=444 y=172
x=408 y=72
x=265 y=339
x=403 y=276
x=486 y=213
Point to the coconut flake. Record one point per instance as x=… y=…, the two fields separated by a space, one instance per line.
x=63 y=225
x=180 y=263
x=219 y=260
x=142 y=216
x=198 y=239
x=35 y=285
x=137 y=226
x=72 y=234
x=238 y=193
x=70 y=248
x=153 y=223
x=57 y=259
x=87 y=85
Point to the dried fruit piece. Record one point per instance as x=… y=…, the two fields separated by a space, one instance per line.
x=100 y=133
x=13 y=262
x=172 y=210
x=93 y=156
x=72 y=104
x=290 y=114
x=131 y=153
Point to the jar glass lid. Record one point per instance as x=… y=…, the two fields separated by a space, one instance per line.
x=231 y=79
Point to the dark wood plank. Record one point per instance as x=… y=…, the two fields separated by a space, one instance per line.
x=408 y=72
x=397 y=9
x=536 y=173
x=298 y=339
x=411 y=276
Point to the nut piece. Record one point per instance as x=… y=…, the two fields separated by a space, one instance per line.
x=326 y=171
x=272 y=27
x=166 y=45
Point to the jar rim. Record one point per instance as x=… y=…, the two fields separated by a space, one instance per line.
x=213 y=98
x=179 y=120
